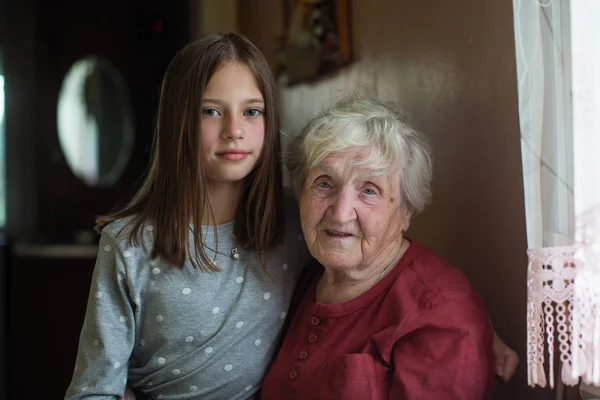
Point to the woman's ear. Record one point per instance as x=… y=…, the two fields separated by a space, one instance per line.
x=405 y=215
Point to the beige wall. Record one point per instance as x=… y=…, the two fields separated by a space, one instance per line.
x=213 y=16
x=451 y=67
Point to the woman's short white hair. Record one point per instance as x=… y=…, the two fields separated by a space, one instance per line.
x=362 y=122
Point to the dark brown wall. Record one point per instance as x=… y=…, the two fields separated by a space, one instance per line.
x=45 y=200
x=451 y=66
x=121 y=32
x=48 y=298
x=264 y=24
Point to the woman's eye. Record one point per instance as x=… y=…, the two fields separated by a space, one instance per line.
x=210 y=112
x=323 y=185
x=253 y=112
x=369 y=191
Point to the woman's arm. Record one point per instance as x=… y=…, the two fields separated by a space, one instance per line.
x=108 y=332
x=445 y=351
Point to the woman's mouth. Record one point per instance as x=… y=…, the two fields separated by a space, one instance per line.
x=337 y=234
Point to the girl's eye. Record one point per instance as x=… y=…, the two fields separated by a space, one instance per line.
x=253 y=112
x=210 y=112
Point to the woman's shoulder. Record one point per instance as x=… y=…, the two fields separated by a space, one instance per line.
x=435 y=270
x=434 y=288
x=428 y=279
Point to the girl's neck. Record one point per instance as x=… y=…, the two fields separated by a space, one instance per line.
x=224 y=199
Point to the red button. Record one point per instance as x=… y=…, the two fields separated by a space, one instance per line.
x=293 y=374
x=303 y=354
x=315 y=321
x=312 y=338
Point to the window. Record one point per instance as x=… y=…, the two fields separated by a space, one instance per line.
x=2 y=151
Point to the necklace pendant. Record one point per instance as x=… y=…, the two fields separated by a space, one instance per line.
x=234 y=254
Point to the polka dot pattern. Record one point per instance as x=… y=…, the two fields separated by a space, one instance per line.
x=159 y=294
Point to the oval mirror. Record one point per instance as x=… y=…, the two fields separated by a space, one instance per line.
x=95 y=121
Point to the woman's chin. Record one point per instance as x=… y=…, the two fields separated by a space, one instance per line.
x=336 y=259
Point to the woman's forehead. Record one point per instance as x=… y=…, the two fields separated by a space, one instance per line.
x=357 y=161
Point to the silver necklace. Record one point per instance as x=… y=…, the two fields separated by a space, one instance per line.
x=233 y=253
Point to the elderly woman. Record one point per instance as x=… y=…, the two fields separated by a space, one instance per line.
x=379 y=316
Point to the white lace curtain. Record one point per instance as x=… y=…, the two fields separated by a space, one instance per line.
x=558 y=109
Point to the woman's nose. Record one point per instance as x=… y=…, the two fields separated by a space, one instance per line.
x=342 y=208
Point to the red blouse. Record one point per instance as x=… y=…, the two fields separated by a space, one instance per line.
x=420 y=333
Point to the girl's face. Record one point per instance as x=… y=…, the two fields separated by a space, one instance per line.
x=232 y=124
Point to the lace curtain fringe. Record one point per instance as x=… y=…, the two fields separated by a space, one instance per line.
x=563 y=310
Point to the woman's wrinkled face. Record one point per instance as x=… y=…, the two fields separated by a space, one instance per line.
x=351 y=217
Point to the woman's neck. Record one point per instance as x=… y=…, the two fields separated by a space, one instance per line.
x=336 y=287
x=224 y=200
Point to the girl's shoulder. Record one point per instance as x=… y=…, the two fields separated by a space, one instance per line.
x=125 y=234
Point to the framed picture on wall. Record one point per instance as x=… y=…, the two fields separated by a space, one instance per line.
x=317 y=39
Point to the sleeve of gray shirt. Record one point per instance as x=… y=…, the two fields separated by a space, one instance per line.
x=108 y=332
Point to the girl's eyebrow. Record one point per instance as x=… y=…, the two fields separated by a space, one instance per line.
x=248 y=101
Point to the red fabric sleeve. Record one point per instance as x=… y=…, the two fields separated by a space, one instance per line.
x=445 y=351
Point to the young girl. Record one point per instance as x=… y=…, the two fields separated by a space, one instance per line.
x=193 y=279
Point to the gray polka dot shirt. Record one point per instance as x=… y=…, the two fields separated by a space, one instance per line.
x=181 y=333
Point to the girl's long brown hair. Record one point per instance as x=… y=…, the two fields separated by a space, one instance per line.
x=173 y=195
